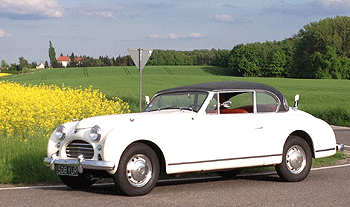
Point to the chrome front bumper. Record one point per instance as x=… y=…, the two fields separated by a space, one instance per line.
x=80 y=162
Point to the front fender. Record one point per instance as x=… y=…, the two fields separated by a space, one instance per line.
x=116 y=141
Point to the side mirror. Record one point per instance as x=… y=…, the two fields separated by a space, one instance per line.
x=296 y=101
x=147 y=100
x=227 y=104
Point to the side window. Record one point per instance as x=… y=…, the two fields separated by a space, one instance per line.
x=266 y=103
x=213 y=105
x=241 y=102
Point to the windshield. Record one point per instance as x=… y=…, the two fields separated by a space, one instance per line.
x=180 y=100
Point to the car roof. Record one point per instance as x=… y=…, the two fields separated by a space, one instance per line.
x=229 y=85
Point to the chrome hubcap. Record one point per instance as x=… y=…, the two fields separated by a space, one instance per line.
x=296 y=159
x=139 y=170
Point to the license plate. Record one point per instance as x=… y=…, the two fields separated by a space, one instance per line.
x=67 y=170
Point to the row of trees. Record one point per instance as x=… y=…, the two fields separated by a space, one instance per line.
x=172 y=57
x=269 y=59
x=87 y=61
x=159 y=57
x=319 y=50
x=322 y=49
x=23 y=65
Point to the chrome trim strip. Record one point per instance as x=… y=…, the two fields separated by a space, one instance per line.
x=220 y=160
x=86 y=164
x=330 y=149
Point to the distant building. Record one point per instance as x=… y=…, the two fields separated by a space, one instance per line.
x=40 y=66
x=78 y=59
x=64 y=60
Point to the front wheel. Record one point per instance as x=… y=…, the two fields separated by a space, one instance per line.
x=138 y=170
x=297 y=160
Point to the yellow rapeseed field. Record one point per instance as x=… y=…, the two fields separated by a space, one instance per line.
x=25 y=109
x=4 y=74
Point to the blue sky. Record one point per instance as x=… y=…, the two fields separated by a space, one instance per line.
x=110 y=27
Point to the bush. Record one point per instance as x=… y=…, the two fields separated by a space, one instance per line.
x=29 y=114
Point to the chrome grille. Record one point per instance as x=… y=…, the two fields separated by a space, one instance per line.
x=79 y=147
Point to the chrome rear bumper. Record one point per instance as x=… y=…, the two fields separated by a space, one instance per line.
x=340 y=147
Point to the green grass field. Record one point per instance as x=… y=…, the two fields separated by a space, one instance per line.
x=327 y=99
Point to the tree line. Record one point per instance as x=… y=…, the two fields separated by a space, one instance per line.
x=158 y=57
x=22 y=67
x=319 y=50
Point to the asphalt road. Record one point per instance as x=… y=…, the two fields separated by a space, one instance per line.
x=323 y=187
x=342 y=135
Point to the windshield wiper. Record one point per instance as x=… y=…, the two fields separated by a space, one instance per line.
x=186 y=108
x=169 y=107
x=173 y=107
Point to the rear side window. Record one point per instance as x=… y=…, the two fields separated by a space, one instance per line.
x=241 y=102
x=266 y=103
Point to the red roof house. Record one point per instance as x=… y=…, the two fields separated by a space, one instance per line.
x=78 y=59
x=64 y=60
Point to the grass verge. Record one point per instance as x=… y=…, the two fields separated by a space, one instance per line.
x=22 y=160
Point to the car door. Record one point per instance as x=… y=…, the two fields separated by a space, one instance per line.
x=239 y=131
x=232 y=133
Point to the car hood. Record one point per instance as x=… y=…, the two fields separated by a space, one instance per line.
x=109 y=121
x=105 y=120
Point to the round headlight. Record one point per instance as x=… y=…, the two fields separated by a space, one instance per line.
x=95 y=133
x=61 y=132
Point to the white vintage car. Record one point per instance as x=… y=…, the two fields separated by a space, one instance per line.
x=216 y=126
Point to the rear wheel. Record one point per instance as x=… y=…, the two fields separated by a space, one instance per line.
x=297 y=160
x=138 y=170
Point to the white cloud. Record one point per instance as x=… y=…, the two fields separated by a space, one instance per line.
x=335 y=3
x=175 y=36
x=104 y=14
x=41 y=8
x=107 y=14
x=155 y=36
x=317 y=7
x=3 y=33
x=223 y=18
x=195 y=35
x=104 y=11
